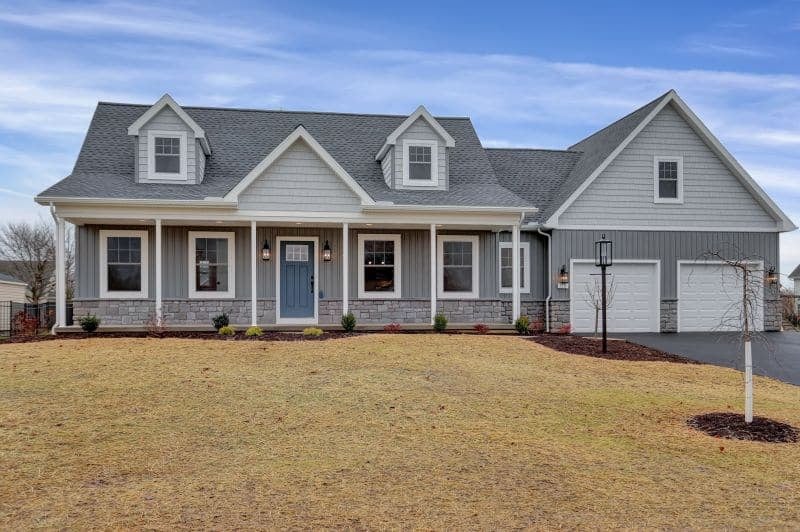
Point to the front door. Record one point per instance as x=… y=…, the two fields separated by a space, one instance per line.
x=297 y=279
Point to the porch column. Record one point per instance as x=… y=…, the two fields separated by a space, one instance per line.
x=159 y=304
x=345 y=268
x=61 y=274
x=253 y=275
x=515 y=280
x=433 y=272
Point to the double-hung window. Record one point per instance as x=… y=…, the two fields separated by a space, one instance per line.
x=507 y=271
x=420 y=163
x=166 y=155
x=211 y=265
x=668 y=177
x=457 y=276
x=379 y=266
x=123 y=264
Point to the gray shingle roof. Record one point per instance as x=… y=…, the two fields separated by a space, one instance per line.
x=795 y=273
x=240 y=139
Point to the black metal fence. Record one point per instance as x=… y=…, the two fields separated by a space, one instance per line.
x=29 y=318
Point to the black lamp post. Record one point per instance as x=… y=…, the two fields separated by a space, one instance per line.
x=266 y=253
x=603 y=258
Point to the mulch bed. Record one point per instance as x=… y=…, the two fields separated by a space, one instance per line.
x=733 y=427
x=617 y=349
x=197 y=335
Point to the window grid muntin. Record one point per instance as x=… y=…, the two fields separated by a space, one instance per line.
x=296 y=252
x=668 y=175
x=457 y=266
x=211 y=264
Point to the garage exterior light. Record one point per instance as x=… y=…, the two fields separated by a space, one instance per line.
x=603 y=252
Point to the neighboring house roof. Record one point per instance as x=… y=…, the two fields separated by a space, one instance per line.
x=243 y=138
x=795 y=273
x=5 y=278
x=534 y=174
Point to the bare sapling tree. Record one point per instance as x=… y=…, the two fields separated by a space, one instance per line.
x=594 y=297
x=746 y=293
x=29 y=250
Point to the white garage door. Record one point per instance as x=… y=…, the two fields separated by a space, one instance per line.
x=635 y=303
x=710 y=298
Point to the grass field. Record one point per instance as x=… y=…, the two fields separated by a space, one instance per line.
x=378 y=431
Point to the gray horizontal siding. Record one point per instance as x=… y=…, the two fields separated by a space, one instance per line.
x=623 y=193
x=299 y=181
x=667 y=246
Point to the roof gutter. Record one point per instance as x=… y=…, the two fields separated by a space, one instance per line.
x=209 y=202
x=390 y=207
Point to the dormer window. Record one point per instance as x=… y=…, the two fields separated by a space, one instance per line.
x=166 y=155
x=420 y=163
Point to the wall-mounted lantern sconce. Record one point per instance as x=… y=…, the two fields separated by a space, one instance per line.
x=772 y=277
x=266 y=253
x=563 y=277
x=326 y=252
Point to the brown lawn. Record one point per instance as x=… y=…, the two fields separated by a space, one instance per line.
x=377 y=432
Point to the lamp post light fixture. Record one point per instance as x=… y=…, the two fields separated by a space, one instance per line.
x=603 y=258
x=266 y=253
x=326 y=252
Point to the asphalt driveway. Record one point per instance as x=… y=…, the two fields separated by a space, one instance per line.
x=777 y=355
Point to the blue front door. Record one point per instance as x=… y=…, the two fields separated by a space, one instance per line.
x=297 y=279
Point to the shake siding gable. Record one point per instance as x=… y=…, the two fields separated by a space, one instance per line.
x=299 y=180
x=623 y=193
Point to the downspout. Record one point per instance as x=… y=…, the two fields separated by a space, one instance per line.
x=549 y=278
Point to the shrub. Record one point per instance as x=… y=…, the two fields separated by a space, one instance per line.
x=392 y=328
x=221 y=320
x=89 y=323
x=480 y=328
x=253 y=331
x=24 y=324
x=312 y=331
x=227 y=330
x=565 y=329
x=439 y=322
x=349 y=322
x=536 y=327
x=523 y=325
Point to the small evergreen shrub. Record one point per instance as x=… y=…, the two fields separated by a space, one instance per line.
x=480 y=328
x=523 y=324
x=312 y=331
x=90 y=323
x=392 y=328
x=253 y=332
x=221 y=320
x=439 y=322
x=227 y=330
x=349 y=322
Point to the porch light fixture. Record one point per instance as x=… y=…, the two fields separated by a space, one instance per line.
x=563 y=277
x=326 y=252
x=266 y=253
x=772 y=278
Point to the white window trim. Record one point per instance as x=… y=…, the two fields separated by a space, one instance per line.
x=434 y=180
x=475 y=240
x=231 y=292
x=151 y=155
x=117 y=294
x=664 y=158
x=398 y=266
x=524 y=285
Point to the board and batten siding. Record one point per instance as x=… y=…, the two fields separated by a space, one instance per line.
x=667 y=246
x=623 y=193
x=168 y=120
x=420 y=130
x=299 y=180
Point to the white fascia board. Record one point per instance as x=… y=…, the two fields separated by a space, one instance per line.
x=420 y=112
x=553 y=220
x=300 y=133
x=204 y=203
x=165 y=101
x=449 y=208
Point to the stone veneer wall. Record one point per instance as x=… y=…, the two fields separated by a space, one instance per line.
x=559 y=314
x=175 y=311
x=669 y=315
x=773 y=315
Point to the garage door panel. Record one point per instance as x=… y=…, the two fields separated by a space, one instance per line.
x=635 y=303
x=710 y=298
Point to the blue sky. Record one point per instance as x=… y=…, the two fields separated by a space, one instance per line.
x=533 y=74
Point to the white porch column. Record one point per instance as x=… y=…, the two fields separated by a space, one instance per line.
x=159 y=304
x=345 y=268
x=433 y=272
x=61 y=274
x=515 y=280
x=253 y=275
